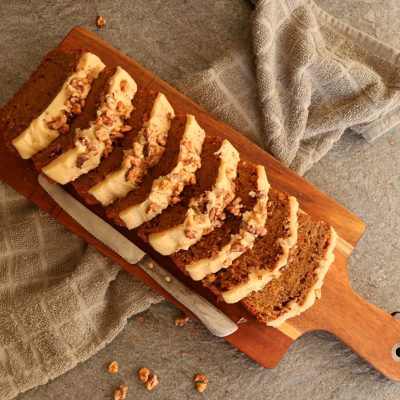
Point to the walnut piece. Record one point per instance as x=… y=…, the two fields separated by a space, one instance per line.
x=144 y=374
x=200 y=378
x=201 y=386
x=180 y=321
x=120 y=393
x=202 y=381
x=113 y=367
x=152 y=382
x=100 y=21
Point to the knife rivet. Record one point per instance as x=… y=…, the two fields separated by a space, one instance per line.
x=150 y=265
x=168 y=279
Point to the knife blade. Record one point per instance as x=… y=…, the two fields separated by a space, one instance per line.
x=214 y=320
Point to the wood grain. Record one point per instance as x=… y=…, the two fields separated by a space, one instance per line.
x=369 y=331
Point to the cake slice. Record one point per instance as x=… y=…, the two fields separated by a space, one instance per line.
x=36 y=93
x=258 y=265
x=91 y=143
x=143 y=153
x=300 y=282
x=66 y=141
x=244 y=223
x=164 y=183
x=67 y=103
x=205 y=209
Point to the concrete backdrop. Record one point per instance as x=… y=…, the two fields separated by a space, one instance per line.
x=173 y=38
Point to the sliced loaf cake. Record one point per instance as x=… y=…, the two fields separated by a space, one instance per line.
x=163 y=185
x=257 y=266
x=245 y=221
x=203 y=209
x=94 y=141
x=300 y=282
x=134 y=155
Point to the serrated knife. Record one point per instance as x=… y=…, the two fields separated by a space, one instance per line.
x=214 y=320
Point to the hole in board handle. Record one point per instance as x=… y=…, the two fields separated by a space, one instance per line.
x=396 y=352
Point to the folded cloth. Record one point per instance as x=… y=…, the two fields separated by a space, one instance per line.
x=315 y=78
x=60 y=300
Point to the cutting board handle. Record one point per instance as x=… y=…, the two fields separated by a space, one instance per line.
x=369 y=331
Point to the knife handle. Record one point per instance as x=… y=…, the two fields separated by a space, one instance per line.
x=214 y=319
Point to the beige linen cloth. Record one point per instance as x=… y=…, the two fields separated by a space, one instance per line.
x=309 y=78
x=313 y=78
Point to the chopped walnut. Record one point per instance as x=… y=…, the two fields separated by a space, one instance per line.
x=144 y=374
x=151 y=382
x=190 y=234
x=200 y=378
x=180 y=321
x=162 y=139
x=58 y=122
x=100 y=21
x=235 y=206
x=123 y=85
x=201 y=386
x=153 y=207
x=113 y=367
x=76 y=108
x=82 y=159
x=202 y=381
x=253 y=194
x=120 y=393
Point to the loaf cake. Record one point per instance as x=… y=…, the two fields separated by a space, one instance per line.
x=186 y=193
x=91 y=143
x=185 y=224
x=245 y=221
x=138 y=151
x=257 y=266
x=167 y=180
x=300 y=282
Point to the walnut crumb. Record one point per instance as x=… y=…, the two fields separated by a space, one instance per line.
x=113 y=367
x=202 y=381
x=201 y=386
x=100 y=21
x=152 y=382
x=200 y=378
x=180 y=321
x=144 y=374
x=120 y=393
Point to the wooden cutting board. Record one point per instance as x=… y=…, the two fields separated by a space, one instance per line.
x=368 y=330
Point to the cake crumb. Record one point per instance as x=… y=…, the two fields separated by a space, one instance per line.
x=113 y=367
x=180 y=321
x=201 y=382
x=100 y=21
x=142 y=319
x=242 y=320
x=392 y=142
x=144 y=374
x=120 y=393
x=168 y=279
x=152 y=382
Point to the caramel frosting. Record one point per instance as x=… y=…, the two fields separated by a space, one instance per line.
x=146 y=152
x=252 y=226
x=69 y=101
x=94 y=142
x=205 y=212
x=171 y=185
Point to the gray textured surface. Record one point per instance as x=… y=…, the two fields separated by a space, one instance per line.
x=172 y=38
